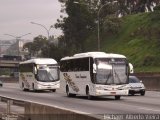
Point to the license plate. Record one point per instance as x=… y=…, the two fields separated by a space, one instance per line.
x=136 y=90
x=113 y=93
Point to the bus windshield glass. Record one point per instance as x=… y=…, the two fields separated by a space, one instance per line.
x=47 y=73
x=111 y=71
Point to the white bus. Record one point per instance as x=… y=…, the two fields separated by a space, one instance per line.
x=94 y=74
x=39 y=74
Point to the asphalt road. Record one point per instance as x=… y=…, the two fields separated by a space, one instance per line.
x=148 y=104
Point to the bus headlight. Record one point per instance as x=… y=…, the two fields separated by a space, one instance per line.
x=99 y=88
x=124 y=87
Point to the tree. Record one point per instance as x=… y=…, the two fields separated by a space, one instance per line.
x=77 y=26
x=29 y=46
x=37 y=46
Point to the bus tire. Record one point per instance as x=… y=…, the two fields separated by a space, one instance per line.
x=69 y=94
x=33 y=88
x=23 y=88
x=89 y=97
x=117 y=97
x=67 y=91
x=54 y=90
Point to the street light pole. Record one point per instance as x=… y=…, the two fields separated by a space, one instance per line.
x=98 y=24
x=18 y=39
x=99 y=44
x=48 y=30
x=0 y=49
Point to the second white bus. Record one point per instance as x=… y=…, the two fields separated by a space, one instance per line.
x=39 y=74
x=94 y=74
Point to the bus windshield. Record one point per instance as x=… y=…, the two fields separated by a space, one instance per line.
x=111 y=71
x=47 y=74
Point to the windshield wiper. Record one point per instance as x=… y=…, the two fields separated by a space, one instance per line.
x=108 y=77
x=117 y=76
x=50 y=77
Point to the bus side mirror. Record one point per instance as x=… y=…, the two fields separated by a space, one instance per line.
x=35 y=70
x=94 y=68
x=131 y=70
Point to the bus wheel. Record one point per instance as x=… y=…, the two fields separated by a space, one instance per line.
x=89 y=97
x=69 y=94
x=54 y=90
x=33 y=88
x=67 y=91
x=23 y=87
x=117 y=97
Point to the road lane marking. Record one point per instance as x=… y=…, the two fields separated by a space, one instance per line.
x=148 y=109
x=137 y=107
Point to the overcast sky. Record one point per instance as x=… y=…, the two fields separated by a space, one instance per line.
x=16 y=15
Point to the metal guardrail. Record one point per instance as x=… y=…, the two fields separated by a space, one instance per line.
x=11 y=101
x=9 y=115
x=4 y=63
x=10 y=61
x=42 y=111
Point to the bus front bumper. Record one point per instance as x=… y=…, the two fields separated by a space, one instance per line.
x=111 y=92
x=47 y=87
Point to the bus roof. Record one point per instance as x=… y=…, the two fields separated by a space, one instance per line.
x=94 y=55
x=40 y=61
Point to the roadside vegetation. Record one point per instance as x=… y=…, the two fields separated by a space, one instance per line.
x=139 y=39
